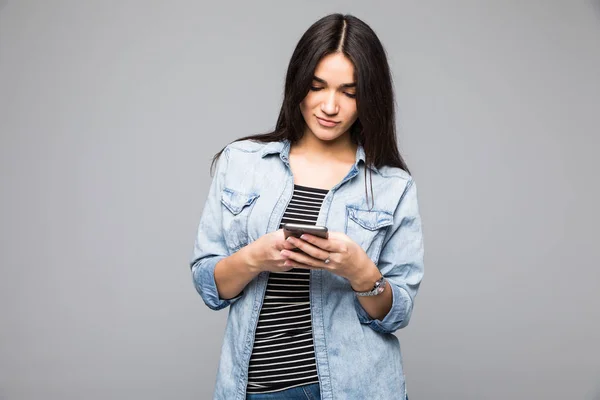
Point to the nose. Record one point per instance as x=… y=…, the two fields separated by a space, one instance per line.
x=329 y=105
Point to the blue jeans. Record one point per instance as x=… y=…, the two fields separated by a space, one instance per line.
x=306 y=392
x=310 y=392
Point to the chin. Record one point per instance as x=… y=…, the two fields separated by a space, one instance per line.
x=325 y=134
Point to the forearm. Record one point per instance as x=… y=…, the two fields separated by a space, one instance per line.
x=376 y=306
x=234 y=272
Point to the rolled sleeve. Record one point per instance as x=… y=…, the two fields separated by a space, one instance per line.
x=210 y=247
x=401 y=263
x=204 y=280
x=395 y=318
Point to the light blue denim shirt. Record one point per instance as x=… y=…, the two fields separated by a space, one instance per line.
x=357 y=357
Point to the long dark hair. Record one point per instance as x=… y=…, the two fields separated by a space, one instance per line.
x=375 y=127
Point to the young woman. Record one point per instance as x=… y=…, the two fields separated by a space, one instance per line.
x=316 y=323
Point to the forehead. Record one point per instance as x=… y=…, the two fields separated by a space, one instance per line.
x=335 y=68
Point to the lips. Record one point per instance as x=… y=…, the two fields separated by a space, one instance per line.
x=326 y=122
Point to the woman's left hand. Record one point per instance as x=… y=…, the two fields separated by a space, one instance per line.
x=346 y=258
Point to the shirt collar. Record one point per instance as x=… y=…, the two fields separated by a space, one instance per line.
x=283 y=148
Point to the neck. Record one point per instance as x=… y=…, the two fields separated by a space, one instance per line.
x=341 y=148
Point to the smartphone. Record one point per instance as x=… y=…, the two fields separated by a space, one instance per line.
x=291 y=229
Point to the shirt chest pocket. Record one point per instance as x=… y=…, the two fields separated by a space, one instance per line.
x=236 y=213
x=368 y=229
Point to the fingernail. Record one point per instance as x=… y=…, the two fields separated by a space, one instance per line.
x=303 y=237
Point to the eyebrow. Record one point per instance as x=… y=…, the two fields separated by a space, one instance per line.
x=343 y=85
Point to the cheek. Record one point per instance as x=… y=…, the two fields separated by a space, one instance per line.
x=351 y=113
x=304 y=108
x=307 y=107
x=310 y=102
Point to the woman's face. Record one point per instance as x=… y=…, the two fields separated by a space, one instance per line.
x=329 y=108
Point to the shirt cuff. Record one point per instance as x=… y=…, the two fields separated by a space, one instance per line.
x=204 y=279
x=395 y=319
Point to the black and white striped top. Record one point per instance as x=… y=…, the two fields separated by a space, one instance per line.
x=283 y=355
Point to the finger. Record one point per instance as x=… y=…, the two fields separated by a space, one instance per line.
x=324 y=244
x=302 y=258
x=288 y=245
x=293 y=264
x=309 y=249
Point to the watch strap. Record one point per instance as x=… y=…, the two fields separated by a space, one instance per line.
x=377 y=288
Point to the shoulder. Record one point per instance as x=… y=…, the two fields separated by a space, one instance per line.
x=395 y=175
x=246 y=146
x=245 y=157
x=395 y=184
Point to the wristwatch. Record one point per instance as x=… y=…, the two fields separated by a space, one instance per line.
x=377 y=289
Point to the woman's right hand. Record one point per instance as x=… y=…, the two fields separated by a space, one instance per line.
x=265 y=252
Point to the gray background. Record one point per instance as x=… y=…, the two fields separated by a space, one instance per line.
x=111 y=110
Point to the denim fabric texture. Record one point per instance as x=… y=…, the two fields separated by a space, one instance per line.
x=306 y=392
x=357 y=357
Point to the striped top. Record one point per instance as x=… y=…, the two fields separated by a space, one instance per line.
x=283 y=355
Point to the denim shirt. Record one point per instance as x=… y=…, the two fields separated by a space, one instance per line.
x=357 y=357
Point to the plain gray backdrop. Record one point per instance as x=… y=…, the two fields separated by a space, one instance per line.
x=110 y=112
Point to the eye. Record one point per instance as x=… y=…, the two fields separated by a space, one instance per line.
x=315 y=88
x=351 y=95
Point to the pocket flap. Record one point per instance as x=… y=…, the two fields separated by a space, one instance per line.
x=370 y=219
x=236 y=201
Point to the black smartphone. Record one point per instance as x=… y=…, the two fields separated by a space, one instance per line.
x=292 y=229
x=296 y=230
